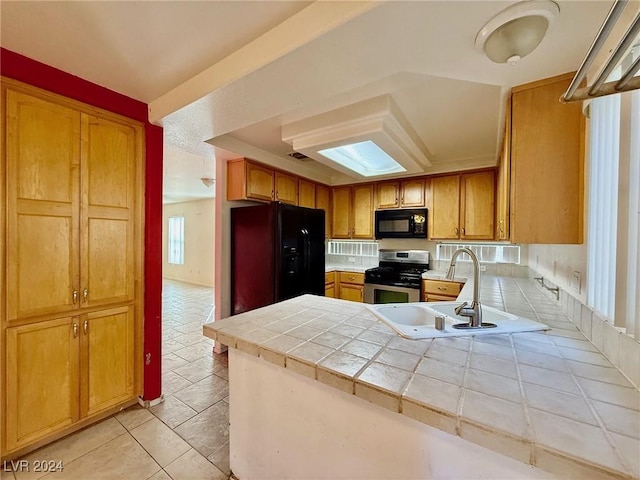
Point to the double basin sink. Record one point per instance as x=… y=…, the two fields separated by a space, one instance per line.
x=418 y=320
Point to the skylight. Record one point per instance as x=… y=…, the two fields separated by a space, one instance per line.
x=365 y=158
x=368 y=139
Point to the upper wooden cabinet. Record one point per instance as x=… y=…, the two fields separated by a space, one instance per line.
x=286 y=190
x=462 y=206
x=362 y=226
x=323 y=202
x=248 y=180
x=387 y=195
x=503 y=186
x=547 y=164
x=71 y=195
x=400 y=194
x=412 y=193
x=306 y=193
x=341 y=214
x=353 y=211
x=477 y=205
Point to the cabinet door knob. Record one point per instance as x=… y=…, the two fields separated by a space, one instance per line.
x=85 y=295
x=463 y=232
x=85 y=326
x=75 y=296
x=456 y=230
x=75 y=329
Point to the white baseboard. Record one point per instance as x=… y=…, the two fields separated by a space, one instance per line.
x=151 y=403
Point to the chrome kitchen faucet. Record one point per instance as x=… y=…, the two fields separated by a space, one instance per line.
x=473 y=311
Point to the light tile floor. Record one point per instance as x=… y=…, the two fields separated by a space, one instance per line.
x=186 y=437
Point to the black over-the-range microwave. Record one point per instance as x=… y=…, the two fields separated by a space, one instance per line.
x=406 y=223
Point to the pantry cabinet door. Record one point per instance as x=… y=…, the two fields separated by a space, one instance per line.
x=42 y=380
x=43 y=156
x=110 y=151
x=108 y=359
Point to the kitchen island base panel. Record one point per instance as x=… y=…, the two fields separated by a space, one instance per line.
x=284 y=425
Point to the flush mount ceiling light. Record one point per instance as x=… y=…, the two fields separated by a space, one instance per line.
x=368 y=139
x=516 y=31
x=207 y=181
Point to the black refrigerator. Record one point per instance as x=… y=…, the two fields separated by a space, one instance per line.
x=277 y=252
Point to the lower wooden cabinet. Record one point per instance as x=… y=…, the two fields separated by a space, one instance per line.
x=42 y=378
x=351 y=286
x=330 y=284
x=107 y=359
x=438 y=290
x=66 y=370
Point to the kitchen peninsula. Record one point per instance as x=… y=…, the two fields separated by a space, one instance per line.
x=342 y=396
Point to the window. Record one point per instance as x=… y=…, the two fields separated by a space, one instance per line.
x=486 y=252
x=175 y=244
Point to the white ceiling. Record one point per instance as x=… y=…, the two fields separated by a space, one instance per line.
x=232 y=73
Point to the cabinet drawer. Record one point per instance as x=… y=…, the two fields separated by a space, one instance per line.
x=350 y=277
x=441 y=288
x=430 y=297
x=329 y=277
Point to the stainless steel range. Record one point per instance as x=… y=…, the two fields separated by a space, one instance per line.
x=397 y=277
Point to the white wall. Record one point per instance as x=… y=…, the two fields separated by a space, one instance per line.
x=199 y=225
x=568 y=259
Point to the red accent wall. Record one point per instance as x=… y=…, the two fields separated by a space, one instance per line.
x=24 y=69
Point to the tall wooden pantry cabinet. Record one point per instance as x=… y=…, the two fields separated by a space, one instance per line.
x=72 y=265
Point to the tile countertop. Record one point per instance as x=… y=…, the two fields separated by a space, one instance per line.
x=345 y=268
x=441 y=276
x=549 y=399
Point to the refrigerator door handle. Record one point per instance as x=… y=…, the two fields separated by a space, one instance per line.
x=306 y=254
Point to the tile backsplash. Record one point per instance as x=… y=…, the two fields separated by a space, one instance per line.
x=621 y=349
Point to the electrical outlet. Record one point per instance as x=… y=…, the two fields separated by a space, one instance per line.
x=577 y=281
x=351 y=259
x=555 y=267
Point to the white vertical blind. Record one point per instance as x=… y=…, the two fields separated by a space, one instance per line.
x=175 y=244
x=603 y=203
x=633 y=273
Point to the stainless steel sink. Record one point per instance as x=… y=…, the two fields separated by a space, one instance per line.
x=417 y=320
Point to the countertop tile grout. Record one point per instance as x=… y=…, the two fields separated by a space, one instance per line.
x=536 y=352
